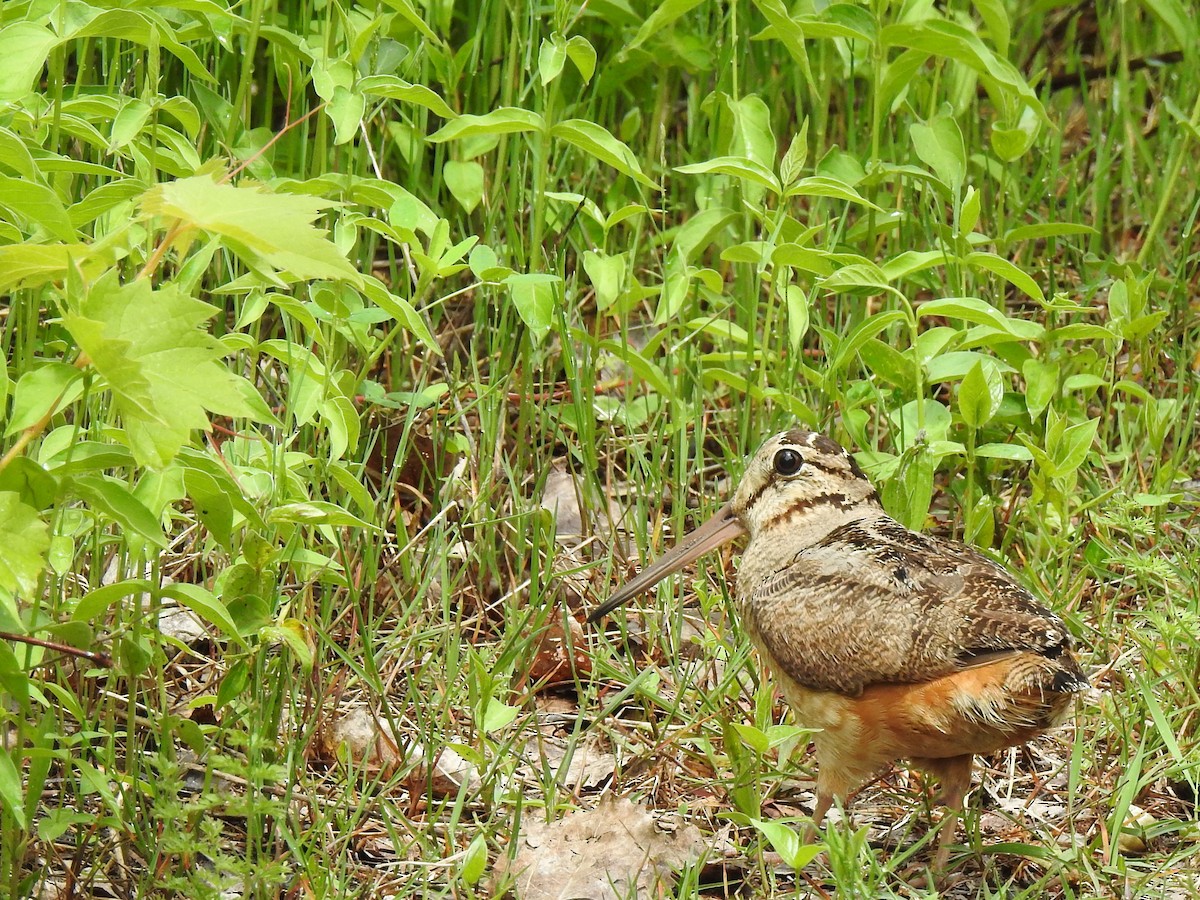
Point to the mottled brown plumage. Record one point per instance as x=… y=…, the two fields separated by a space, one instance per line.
x=897 y=645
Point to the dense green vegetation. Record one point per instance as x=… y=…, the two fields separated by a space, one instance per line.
x=313 y=314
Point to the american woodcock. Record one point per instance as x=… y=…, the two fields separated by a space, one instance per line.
x=895 y=644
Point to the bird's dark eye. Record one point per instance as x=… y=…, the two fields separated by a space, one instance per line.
x=788 y=462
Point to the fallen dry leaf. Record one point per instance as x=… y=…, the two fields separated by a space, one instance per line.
x=613 y=851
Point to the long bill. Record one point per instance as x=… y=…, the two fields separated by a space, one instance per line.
x=723 y=527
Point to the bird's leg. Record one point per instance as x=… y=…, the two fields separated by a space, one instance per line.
x=824 y=801
x=954 y=774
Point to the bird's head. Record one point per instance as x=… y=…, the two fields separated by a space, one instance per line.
x=798 y=483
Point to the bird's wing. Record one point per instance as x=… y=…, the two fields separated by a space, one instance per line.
x=874 y=602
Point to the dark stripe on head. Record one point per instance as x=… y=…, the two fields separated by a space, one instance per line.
x=804 y=504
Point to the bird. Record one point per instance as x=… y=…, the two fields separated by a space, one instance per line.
x=895 y=645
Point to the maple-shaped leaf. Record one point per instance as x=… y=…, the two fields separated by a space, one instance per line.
x=165 y=373
x=25 y=539
x=259 y=226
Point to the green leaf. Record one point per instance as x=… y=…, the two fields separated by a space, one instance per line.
x=953 y=41
x=402 y=311
x=345 y=110
x=939 y=144
x=737 y=166
x=36 y=206
x=607 y=275
x=475 y=860
x=25 y=539
x=536 y=297
x=24 y=47
x=505 y=120
x=793 y=160
x=796 y=303
x=583 y=55
x=115 y=500
x=206 y=605
x=317 y=512
x=12 y=791
x=1046 y=230
x=394 y=88
x=409 y=13
x=998 y=265
x=754 y=738
x=1015 y=452
x=828 y=186
x=263 y=228
x=497 y=715
x=465 y=181
x=552 y=56
x=972 y=309
x=979 y=394
x=598 y=142
x=211 y=503
x=786 y=841
x=41 y=392
x=664 y=14
x=163 y=371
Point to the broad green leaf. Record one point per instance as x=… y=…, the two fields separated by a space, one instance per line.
x=25 y=539
x=1041 y=384
x=1045 y=230
x=979 y=394
x=345 y=110
x=598 y=142
x=941 y=37
x=465 y=181
x=699 y=231
x=317 y=512
x=552 y=56
x=535 y=296
x=505 y=120
x=972 y=309
x=206 y=605
x=583 y=55
x=41 y=392
x=36 y=206
x=827 y=186
x=912 y=261
x=754 y=738
x=95 y=604
x=14 y=154
x=164 y=372
x=955 y=364
x=796 y=302
x=212 y=505
x=793 y=160
x=128 y=123
x=498 y=715
x=410 y=14
x=998 y=265
x=1012 y=140
x=1073 y=447
x=24 y=47
x=607 y=275
x=394 y=88
x=840 y=20
x=1015 y=452
x=12 y=788
x=939 y=144
x=664 y=14
x=738 y=167
x=805 y=259
x=475 y=860
x=785 y=29
x=847 y=348
x=116 y=500
x=261 y=227
x=785 y=840
x=750 y=135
